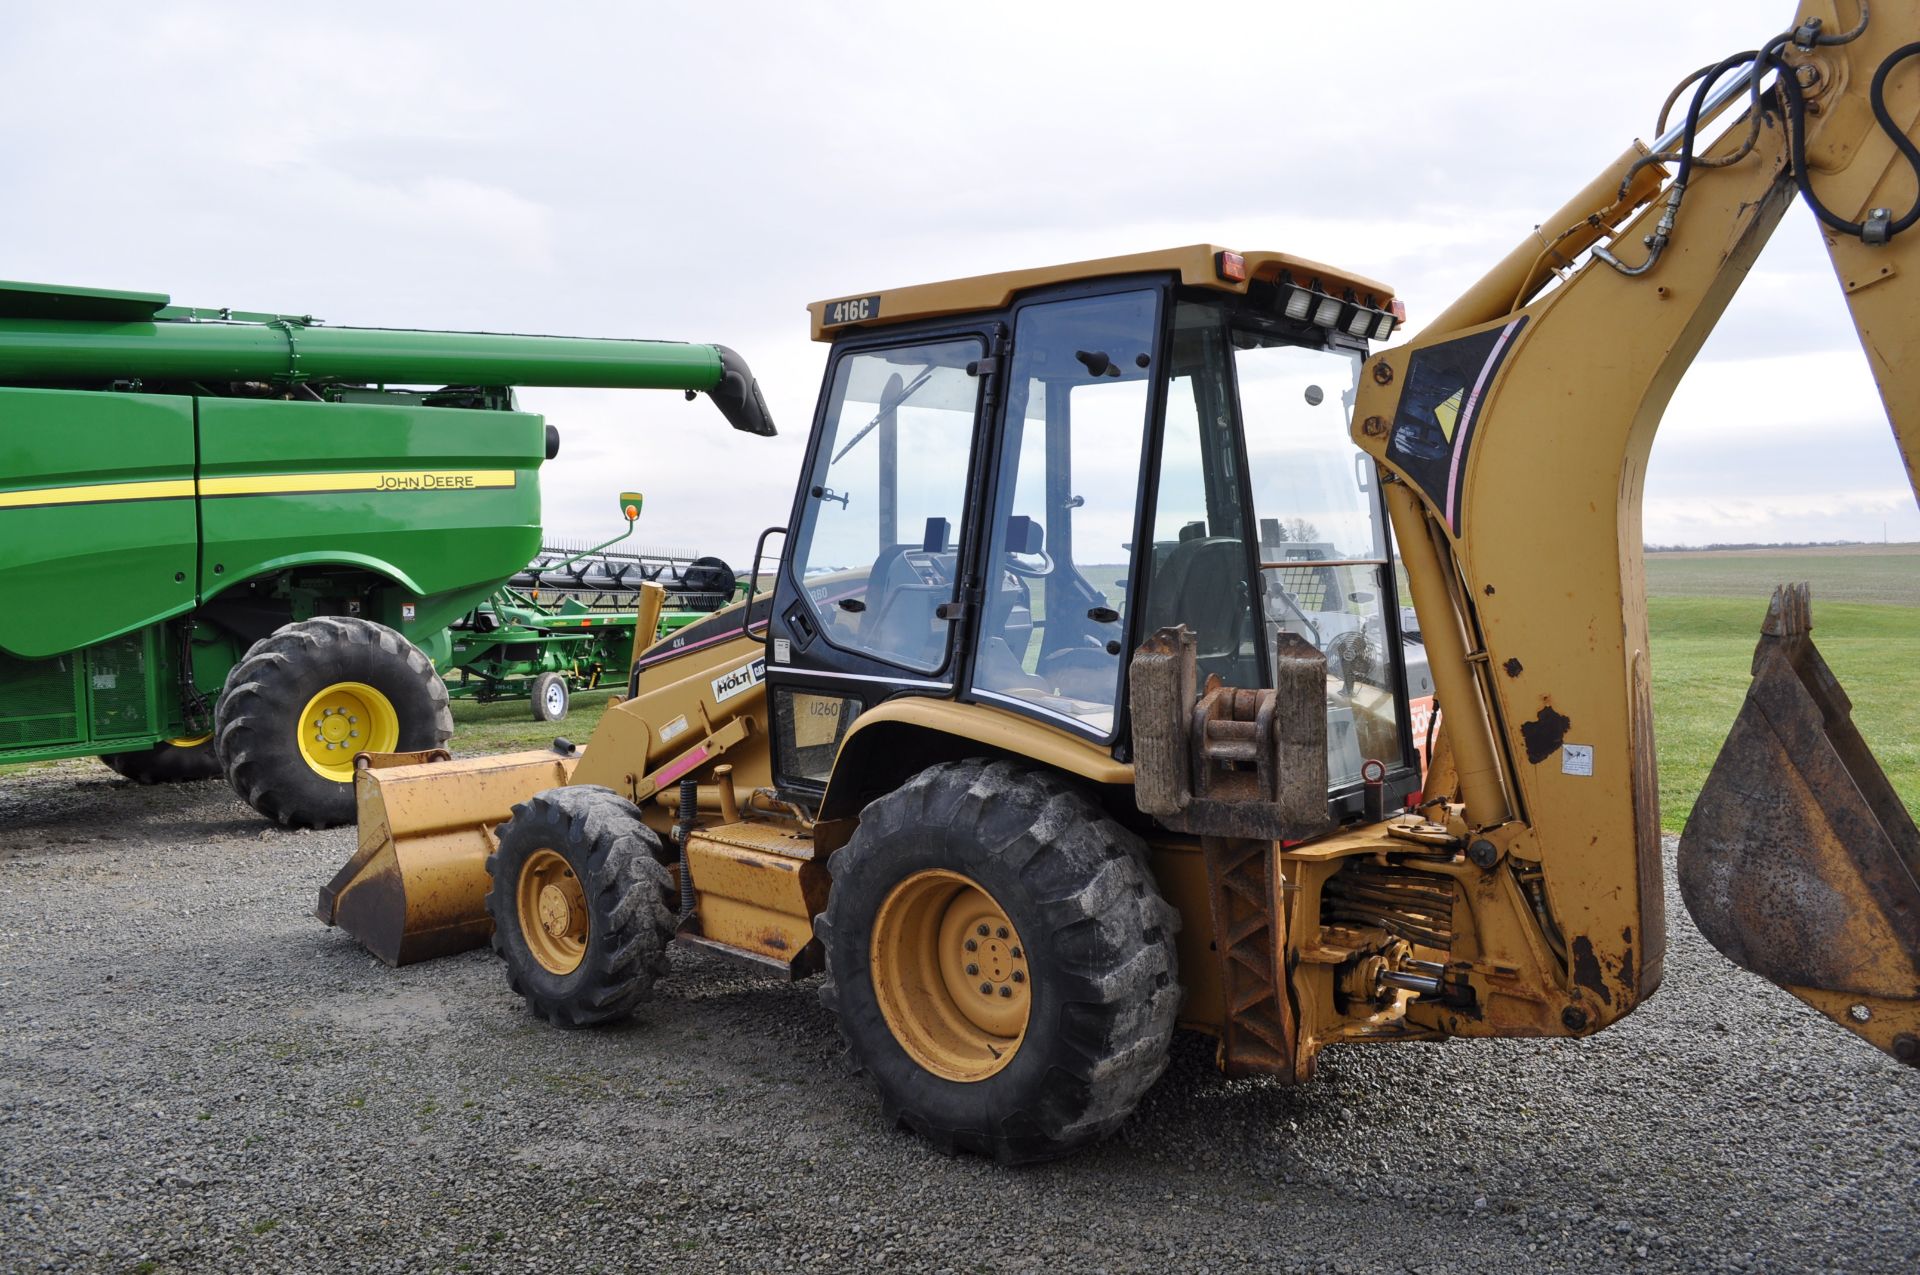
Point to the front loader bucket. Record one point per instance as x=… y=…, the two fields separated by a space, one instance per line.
x=417 y=886
x=1799 y=861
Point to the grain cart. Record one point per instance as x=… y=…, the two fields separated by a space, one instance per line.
x=222 y=535
x=1025 y=754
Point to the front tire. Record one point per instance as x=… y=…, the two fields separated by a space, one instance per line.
x=307 y=698
x=1044 y=1034
x=171 y=761
x=551 y=698
x=579 y=905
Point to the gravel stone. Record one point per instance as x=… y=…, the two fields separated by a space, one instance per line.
x=196 y=1075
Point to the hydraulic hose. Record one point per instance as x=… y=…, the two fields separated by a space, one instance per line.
x=1877 y=99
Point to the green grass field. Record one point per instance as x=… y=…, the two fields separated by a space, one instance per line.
x=1702 y=654
x=1887 y=574
x=507 y=726
x=1704 y=613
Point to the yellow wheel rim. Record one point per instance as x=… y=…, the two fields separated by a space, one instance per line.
x=951 y=975
x=191 y=741
x=344 y=719
x=553 y=912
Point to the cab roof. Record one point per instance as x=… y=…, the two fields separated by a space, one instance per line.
x=1198 y=265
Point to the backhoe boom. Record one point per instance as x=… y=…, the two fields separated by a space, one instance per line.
x=1516 y=437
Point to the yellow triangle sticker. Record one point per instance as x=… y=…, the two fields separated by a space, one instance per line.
x=1448 y=414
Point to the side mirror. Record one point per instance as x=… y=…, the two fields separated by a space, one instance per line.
x=630 y=504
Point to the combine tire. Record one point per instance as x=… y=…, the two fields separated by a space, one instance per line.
x=1000 y=961
x=550 y=698
x=579 y=905
x=171 y=761
x=310 y=696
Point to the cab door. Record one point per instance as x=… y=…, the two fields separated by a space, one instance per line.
x=1060 y=545
x=866 y=604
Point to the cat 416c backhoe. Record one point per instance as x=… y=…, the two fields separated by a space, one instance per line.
x=1076 y=706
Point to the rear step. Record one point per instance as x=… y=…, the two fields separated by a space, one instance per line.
x=1799 y=861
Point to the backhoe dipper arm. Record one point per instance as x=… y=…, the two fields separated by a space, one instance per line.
x=1514 y=434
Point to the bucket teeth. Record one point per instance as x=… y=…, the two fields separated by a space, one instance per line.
x=1799 y=861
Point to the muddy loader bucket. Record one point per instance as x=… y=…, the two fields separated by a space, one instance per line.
x=417 y=886
x=1799 y=861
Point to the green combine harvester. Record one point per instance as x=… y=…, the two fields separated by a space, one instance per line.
x=254 y=530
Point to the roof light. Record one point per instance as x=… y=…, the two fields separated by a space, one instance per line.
x=1230 y=266
x=1328 y=312
x=1383 y=330
x=1399 y=310
x=1299 y=301
x=1362 y=320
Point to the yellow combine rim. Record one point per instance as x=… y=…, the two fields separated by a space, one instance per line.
x=344 y=719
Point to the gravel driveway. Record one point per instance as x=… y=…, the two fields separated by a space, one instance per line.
x=196 y=1075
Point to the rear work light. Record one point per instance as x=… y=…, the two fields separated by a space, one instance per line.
x=1299 y=301
x=1362 y=320
x=1384 y=328
x=1328 y=312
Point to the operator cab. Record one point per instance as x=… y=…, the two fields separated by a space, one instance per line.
x=1014 y=480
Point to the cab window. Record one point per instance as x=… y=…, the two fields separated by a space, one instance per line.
x=878 y=538
x=1323 y=542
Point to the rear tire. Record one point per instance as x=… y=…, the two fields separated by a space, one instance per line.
x=551 y=698
x=579 y=905
x=276 y=720
x=1071 y=911
x=167 y=762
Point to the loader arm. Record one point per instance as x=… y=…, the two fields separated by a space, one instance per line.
x=1514 y=434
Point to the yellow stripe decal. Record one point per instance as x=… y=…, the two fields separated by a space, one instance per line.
x=261 y=485
x=371 y=480
x=92 y=493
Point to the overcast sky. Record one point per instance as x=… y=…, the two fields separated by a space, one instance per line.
x=701 y=172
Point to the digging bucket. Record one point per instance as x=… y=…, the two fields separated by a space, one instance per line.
x=416 y=887
x=1799 y=861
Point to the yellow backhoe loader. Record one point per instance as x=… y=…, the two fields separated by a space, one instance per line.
x=1075 y=705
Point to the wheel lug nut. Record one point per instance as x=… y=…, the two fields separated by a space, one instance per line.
x=1019 y=977
x=986 y=989
x=973 y=969
x=973 y=945
x=1003 y=931
x=1006 y=991
x=984 y=931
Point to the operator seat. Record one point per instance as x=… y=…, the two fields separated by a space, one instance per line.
x=1203 y=584
x=900 y=624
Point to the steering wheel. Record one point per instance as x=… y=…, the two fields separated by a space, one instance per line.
x=1030 y=570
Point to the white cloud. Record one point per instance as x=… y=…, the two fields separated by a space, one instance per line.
x=701 y=172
